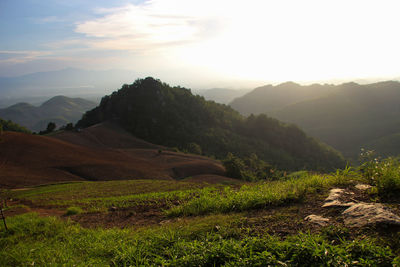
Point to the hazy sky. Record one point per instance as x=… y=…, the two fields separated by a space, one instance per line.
x=197 y=41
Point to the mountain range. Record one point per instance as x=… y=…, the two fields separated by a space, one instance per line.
x=348 y=117
x=59 y=109
x=221 y=95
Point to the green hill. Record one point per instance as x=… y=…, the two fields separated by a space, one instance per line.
x=59 y=109
x=172 y=116
x=347 y=116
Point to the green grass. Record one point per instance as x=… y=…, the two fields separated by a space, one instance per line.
x=180 y=198
x=103 y=189
x=73 y=211
x=33 y=240
x=255 y=196
x=99 y=196
x=215 y=227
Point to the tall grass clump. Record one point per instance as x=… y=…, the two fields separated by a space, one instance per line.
x=254 y=196
x=384 y=174
x=343 y=176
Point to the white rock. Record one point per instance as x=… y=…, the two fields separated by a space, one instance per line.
x=334 y=194
x=362 y=214
x=317 y=219
x=363 y=187
x=337 y=204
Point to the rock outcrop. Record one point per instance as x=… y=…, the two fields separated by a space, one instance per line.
x=364 y=214
x=356 y=214
x=334 y=199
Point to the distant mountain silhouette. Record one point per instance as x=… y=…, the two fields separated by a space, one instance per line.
x=59 y=109
x=221 y=95
x=347 y=116
x=172 y=116
x=269 y=98
x=69 y=82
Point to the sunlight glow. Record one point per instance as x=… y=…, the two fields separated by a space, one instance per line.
x=264 y=40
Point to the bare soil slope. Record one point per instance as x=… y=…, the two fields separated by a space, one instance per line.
x=100 y=152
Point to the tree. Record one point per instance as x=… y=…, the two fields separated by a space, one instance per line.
x=194 y=148
x=50 y=127
x=234 y=166
x=69 y=127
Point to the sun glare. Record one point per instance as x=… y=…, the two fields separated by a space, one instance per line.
x=289 y=40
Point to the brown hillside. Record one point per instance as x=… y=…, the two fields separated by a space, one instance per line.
x=96 y=153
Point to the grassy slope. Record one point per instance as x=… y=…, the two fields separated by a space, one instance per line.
x=227 y=237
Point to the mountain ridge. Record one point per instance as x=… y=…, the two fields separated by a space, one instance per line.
x=348 y=116
x=59 y=109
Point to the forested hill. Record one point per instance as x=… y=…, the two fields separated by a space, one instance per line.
x=348 y=116
x=172 y=116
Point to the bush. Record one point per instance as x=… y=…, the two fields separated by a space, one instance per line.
x=194 y=148
x=73 y=211
x=234 y=166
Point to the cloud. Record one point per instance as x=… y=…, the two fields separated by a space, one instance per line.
x=149 y=25
x=15 y=57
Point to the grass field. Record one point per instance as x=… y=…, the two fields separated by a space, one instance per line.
x=99 y=196
x=208 y=241
x=168 y=223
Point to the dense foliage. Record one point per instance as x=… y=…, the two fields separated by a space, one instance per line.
x=11 y=126
x=172 y=116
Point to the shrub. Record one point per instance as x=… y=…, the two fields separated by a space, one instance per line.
x=234 y=166
x=73 y=211
x=388 y=177
x=194 y=148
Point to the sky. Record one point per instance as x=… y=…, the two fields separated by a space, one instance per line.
x=204 y=42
